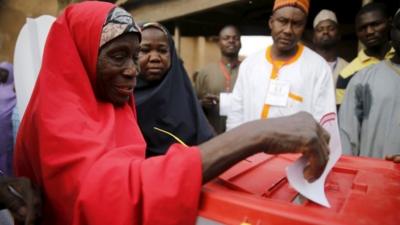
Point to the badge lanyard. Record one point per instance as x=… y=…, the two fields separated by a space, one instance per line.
x=276 y=66
x=227 y=76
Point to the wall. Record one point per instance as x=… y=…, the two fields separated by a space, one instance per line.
x=13 y=14
x=196 y=52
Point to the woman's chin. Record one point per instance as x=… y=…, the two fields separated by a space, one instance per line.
x=153 y=77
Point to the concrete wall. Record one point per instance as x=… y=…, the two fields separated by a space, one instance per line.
x=13 y=14
x=197 y=52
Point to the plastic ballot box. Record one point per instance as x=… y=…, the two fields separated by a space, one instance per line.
x=256 y=191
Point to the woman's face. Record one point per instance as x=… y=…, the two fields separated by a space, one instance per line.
x=117 y=68
x=154 y=56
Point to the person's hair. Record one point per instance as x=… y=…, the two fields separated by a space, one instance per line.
x=371 y=7
x=229 y=25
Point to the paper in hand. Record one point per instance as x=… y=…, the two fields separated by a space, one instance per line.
x=315 y=191
x=225 y=100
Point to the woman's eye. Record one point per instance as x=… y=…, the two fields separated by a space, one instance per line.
x=144 y=50
x=118 y=56
x=163 y=50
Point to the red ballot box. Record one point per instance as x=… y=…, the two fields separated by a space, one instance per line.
x=256 y=191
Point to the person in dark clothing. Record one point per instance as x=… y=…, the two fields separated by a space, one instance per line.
x=165 y=100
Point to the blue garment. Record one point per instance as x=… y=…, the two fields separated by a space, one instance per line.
x=15 y=120
x=7 y=104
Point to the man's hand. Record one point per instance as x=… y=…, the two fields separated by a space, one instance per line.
x=395 y=158
x=209 y=100
x=23 y=201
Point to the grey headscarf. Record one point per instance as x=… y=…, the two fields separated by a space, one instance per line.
x=118 y=22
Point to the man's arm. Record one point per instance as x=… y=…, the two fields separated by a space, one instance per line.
x=350 y=118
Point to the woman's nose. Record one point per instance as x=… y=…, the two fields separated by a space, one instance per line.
x=131 y=69
x=154 y=57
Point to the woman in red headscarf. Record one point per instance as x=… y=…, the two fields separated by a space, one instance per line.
x=80 y=143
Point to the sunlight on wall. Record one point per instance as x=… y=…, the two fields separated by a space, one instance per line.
x=252 y=44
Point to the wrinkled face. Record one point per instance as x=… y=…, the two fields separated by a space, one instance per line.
x=326 y=34
x=395 y=34
x=229 y=41
x=287 y=25
x=372 y=28
x=117 y=68
x=155 y=55
x=3 y=75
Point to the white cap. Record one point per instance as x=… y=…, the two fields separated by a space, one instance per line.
x=324 y=14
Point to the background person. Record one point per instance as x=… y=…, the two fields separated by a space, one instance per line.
x=369 y=115
x=372 y=29
x=326 y=38
x=8 y=102
x=164 y=95
x=219 y=77
x=280 y=80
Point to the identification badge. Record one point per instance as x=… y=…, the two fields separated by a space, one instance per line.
x=278 y=93
x=225 y=101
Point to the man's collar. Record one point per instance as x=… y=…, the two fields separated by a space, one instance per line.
x=364 y=57
x=231 y=65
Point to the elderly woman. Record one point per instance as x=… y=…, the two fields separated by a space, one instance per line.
x=80 y=142
x=164 y=95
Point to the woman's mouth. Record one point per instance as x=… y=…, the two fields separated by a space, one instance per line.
x=154 y=70
x=124 y=90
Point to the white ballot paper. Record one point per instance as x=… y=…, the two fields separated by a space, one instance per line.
x=225 y=100
x=315 y=191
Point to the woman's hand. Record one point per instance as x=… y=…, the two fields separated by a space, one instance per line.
x=23 y=201
x=298 y=133
x=395 y=158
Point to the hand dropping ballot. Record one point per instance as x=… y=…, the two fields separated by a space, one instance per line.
x=315 y=191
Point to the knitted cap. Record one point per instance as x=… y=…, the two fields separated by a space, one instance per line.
x=301 y=4
x=324 y=15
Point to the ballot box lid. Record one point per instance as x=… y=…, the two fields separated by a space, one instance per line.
x=256 y=191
